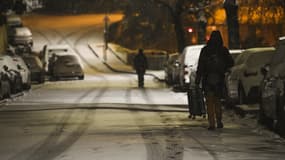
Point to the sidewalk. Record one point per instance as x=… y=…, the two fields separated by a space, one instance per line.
x=117 y=62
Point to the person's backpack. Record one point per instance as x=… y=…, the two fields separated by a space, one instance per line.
x=215 y=69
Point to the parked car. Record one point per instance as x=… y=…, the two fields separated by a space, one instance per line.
x=235 y=52
x=188 y=62
x=21 y=36
x=67 y=66
x=14 y=21
x=5 y=89
x=12 y=72
x=242 y=84
x=58 y=50
x=24 y=71
x=170 y=69
x=36 y=68
x=272 y=110
x=15 y=62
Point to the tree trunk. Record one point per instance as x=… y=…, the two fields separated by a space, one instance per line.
x=201 y=32
x=180 y=36
x=233 y=25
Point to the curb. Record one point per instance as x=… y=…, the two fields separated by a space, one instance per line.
x=118 y=71
x=11 y=97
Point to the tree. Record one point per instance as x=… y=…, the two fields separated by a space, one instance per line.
x=258 y=15
x=176 y=8
x=231 y=9
x=200 y=9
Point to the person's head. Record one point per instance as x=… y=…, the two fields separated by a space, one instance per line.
x=216 y=39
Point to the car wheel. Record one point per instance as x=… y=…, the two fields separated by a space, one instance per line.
x=81 y=77
x=253 y=95
x=241 y=95
x=169 y=80
x=41 y=79
x=8 y=94
x=28 y=86
x=19 y=85
x=13 y=88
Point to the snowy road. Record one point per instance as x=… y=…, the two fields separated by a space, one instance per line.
x=105 y=117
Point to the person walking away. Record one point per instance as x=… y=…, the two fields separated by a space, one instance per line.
x=51 y=63
x=214 y=61
x=140 y=65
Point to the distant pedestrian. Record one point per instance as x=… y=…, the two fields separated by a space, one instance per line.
x=214 y=61
x=140 y=65
x=51 y=63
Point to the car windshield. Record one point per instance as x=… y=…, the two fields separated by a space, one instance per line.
x=67 y=59
x=192 y=57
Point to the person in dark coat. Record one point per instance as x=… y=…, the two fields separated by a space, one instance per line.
x=140 y=65
x=51 y=63
x=214 y=61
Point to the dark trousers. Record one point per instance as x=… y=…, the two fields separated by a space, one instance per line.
x=214 y=109
x=140 y=80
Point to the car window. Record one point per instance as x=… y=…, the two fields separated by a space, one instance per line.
x=67 y=59
x=192 y=56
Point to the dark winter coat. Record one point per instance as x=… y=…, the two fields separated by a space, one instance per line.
x=140 y=63
x=205 y=70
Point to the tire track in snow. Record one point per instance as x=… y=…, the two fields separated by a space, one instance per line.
x=58 y=141
x=174 y=142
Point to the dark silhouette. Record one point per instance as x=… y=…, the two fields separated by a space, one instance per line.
x=20 y=7
x=140 y=65
x=231 y=9
x=51 y=63
x=214 y=62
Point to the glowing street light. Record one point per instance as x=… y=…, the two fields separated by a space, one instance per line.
x=190 y=30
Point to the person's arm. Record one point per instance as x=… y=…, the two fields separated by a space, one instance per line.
x=200 y=67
